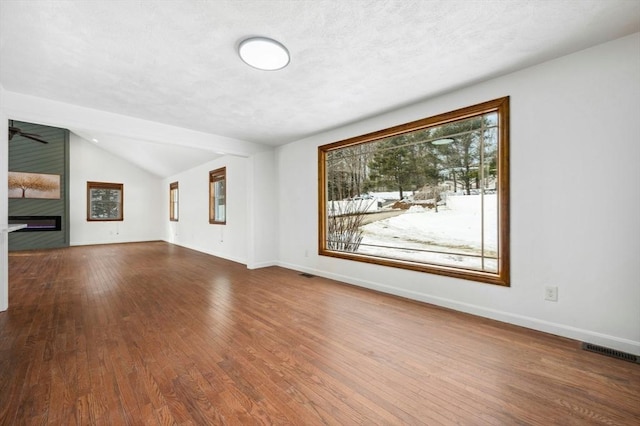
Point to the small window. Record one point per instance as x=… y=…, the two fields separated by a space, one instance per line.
x=431 y=195
x=105 y=201
x=217 y=196
x=173 y=202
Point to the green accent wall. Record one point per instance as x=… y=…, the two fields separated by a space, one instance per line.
x=26 y=155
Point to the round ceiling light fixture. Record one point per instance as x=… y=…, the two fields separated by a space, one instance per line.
x=263 y=53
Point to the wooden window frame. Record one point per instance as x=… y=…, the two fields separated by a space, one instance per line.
x=215 y=176
x=502 y=276
x=105 y=185
x=174 y=202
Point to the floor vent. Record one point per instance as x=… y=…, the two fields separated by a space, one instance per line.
x=304 y=274
x=611 y=352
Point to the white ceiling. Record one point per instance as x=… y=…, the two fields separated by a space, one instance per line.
x=175 y=62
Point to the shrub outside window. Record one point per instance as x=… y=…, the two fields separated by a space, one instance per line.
x=217 y=196
x=105 y=201
x=431 y=195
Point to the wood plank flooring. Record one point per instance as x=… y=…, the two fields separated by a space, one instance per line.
x=152 y=333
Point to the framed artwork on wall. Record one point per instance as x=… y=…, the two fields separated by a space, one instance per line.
x=34 y=185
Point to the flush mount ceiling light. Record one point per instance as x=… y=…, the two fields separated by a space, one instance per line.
x=263 y=53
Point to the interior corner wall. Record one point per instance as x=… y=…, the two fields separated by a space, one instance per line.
x=575 y=204
x=193 y=230
x=262 y=214
x=143 y=208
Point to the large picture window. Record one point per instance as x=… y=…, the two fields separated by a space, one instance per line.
x=217 y=196
x=173 y=202
x=430 y=195
x=105 y=201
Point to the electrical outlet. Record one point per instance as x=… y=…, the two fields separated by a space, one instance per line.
x=551 y=293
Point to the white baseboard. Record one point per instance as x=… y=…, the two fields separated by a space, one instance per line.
x=259 y=265
x=563 y=330
x=96 y=243
x=210 y=252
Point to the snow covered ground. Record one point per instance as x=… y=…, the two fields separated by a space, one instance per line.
x=452 y=236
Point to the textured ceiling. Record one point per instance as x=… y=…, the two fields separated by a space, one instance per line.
x=175 y=62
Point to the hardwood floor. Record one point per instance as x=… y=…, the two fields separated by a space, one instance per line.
x=151 y=333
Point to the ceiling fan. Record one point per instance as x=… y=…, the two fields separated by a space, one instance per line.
x=13 y=131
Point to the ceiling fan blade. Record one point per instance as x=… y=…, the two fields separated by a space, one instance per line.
x=33 y=137
x=13 y=131
x=16 y=131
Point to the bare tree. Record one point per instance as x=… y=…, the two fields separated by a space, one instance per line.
x=347 y=171
x=344 y=223
x=32 y=182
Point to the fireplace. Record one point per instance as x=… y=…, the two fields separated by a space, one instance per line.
x=37 y=223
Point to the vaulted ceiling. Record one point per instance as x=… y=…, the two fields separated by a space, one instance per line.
x=176 y=62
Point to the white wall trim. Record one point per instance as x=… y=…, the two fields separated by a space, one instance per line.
x=209 y=252
x=258 y=265
x=265 y=264
x=562 y=330
x=96 y=243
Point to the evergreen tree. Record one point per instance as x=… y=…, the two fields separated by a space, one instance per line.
x=394 y=164
x=462 y=156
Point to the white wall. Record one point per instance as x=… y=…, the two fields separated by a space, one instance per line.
x=193 y=229
x=575 y=202
x=262 y=215
x=143 y=208
x=4 y=211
